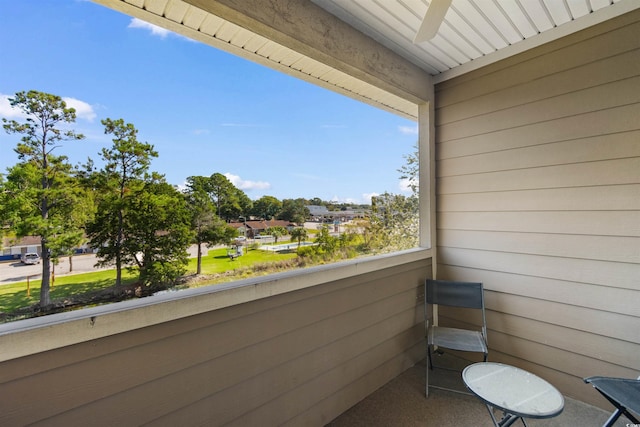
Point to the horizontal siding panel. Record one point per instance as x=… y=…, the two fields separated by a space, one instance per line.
x=202 y=412
x=504 y=330
x=539 y=62
x=603 y=273
x=106 y=347
x=603 y=223
x=606 y=199
x=608 y=172
x=602 y=147
x=203 y=344
x=548 y=321
x=538 y=197
x=573 y=364
x=607 y=70
x=603 y=97
x=298 y=400
x=344 y=398
x=613 y=120
x=597 y=297
x=227 y=387
x=601 y=248
x=223 y=350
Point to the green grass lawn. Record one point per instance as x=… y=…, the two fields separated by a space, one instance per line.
x=217 y=261
x=14 y=296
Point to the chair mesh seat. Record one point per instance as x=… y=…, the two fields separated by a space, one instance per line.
x=624 y=391
x=457 y=339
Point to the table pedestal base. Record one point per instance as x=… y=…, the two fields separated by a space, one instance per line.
x=506 y=420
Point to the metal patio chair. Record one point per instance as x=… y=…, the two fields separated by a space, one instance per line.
x=467 y=295
x=623 y=393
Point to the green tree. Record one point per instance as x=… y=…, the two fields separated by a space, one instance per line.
x=39 y=185
x=123 y=176
x=202 y=213
x=221 y=233
x=244 y=203
x=299 y=234
x=159 y=233
x=277 y=232
x=224 y=195
x=410 y=170
x=395 y=219
x=326 y=242
x=266 y=207
x=294 y=211
x=363 y=228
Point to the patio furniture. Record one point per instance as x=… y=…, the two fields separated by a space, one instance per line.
x=517 y=393
x=465 y=295
x=623 y=393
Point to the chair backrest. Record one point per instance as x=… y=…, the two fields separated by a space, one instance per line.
x=457 y=294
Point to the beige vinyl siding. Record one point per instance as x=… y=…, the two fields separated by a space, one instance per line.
x=298 y=358
x=538 y=196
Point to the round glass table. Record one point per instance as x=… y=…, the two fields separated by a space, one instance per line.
x=517 y=393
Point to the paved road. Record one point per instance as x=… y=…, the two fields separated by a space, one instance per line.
x=15 y=271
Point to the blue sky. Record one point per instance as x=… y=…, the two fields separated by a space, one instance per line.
x=204 y=110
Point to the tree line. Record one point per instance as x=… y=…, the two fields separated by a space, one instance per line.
x=130 y=214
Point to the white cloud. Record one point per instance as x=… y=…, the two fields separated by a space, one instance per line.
x=245 y=184
x=367 y=196
x=155 y=30
x=7 y=111
x=336 y=199
x=201 y=132
x=408 y=130
x=83 y=110
x=183 y=187
x=405 y=185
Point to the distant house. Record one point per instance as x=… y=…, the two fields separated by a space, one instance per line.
x=317 y=210
x=13 y=248
x=252 y=229
x=322 y=214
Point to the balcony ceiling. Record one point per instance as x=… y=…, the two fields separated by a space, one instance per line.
x=474 y=33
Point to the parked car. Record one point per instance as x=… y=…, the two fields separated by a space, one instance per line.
x=30 y=258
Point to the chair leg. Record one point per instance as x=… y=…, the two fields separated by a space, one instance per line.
x=426 y=375
x=426 y=381
x=613 y=418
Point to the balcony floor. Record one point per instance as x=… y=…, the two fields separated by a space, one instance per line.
x=401 y=402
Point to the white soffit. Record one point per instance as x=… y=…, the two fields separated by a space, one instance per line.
x=474 y=33
x=194 y=23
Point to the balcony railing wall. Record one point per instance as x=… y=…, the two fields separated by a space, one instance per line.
x=299 y=357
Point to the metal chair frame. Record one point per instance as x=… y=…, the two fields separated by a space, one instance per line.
x=468 y=295
x=623 y=393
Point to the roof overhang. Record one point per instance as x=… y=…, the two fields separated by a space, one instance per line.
x=353 y=50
